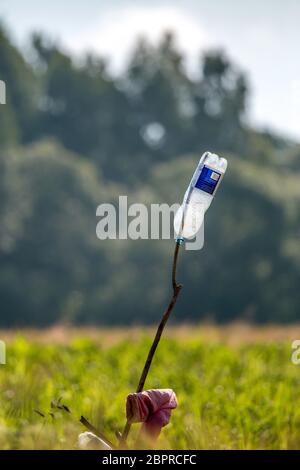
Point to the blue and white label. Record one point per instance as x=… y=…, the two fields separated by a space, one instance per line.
x=208 y=180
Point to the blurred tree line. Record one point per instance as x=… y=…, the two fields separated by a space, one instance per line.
x=73 y=136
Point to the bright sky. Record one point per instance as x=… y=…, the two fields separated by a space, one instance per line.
x=261 y=36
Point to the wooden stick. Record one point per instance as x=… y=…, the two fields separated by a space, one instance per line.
x=176 y=290
x=95 y=431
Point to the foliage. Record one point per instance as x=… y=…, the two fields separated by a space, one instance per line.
x=230 y=397
x=73 y=136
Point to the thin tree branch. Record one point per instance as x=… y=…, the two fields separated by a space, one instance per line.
x=56 y=404
x=176 y=290
x=95 y=431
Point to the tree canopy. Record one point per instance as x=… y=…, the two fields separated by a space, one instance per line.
x=73 y=135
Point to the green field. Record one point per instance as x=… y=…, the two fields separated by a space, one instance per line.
x=237 y=388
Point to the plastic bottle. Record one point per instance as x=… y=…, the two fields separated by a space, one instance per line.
x=199 y=194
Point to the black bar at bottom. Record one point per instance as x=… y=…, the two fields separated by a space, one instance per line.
x=134 y=459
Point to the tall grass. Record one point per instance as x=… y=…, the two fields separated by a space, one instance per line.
x=231 y=396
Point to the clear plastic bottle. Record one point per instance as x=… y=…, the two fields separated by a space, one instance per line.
x=199 y=194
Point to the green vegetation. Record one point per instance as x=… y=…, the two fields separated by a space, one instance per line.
x=72 y=136
x=241 y=396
